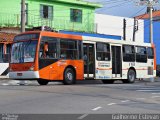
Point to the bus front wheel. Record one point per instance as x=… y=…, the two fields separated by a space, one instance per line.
x=69 y=76
x=42 y=82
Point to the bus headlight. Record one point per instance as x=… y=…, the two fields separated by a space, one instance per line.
x=10 y=69
x=31 y=68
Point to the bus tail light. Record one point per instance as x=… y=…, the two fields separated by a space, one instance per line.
x=150 y=70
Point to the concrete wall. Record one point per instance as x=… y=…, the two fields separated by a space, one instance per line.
x=113 y=25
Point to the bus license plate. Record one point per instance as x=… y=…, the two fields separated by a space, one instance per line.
x=19 y=74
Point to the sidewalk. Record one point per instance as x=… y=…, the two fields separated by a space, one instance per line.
x=155 y=82
x=4 y=77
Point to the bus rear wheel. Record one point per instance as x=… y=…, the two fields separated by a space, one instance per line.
x=131 y=77
x=42 y=82
x=69 y=77
x=108 y=81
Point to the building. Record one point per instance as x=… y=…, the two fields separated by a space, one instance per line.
x=120 y=26
x=75 y=15
x=117 y=28
x=156 y=31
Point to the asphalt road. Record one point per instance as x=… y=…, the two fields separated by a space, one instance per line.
x=87 y=97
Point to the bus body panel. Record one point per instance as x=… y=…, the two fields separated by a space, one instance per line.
x=56 y=70
x=103 y=70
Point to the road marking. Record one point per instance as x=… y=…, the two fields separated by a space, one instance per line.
x=97 y=108
x=155 y=93
x=111 y=104
x=140 y=98
x=147 y=90
x=125 y=101
x=83 y=116
x=5 y=84
x=155 y=96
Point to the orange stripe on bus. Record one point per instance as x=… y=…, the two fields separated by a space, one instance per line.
x=61 y=35
x=154 y=49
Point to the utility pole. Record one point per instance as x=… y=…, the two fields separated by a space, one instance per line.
x=23 y=16
x=23 y=22
x=150 y=5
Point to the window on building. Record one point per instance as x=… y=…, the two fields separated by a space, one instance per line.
x=76 y=15
x=103 y=51
x=6 y=56
x=128 y=53
x=46 y=11
x=68 y=49
x=1 y=52
x=141 y=54
x=150 y=53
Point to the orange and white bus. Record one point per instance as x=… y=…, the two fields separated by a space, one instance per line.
x=50 y=56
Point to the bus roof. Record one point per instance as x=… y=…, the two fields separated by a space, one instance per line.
x=61 y=35
x=53 y=34
x=97 y=35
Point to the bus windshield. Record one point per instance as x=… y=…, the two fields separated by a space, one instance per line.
x=23 y=51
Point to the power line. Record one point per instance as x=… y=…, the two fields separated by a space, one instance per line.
x=138 y=12
x=118 y=5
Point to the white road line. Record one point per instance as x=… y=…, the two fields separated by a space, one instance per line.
x=97 y=108
x=147 y=90
x=125 y=101
x=5 y=84
x=155 y=96
x=140 y=98
x=155 y=93
x=111 y=104
x=83 y=116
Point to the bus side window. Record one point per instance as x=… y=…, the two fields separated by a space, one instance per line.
x=141 y=54
x=45 y=50
x=48 y=48
x=128 y=53
x=68 y=49
x=150 y=53
x=103 y=51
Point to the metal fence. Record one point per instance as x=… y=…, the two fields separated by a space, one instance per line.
x=13 y=20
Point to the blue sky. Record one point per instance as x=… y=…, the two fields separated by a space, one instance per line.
x=125 y=8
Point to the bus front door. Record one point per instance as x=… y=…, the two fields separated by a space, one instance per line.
x=116 y=62
x=89 y=60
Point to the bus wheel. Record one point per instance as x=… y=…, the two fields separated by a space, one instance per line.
x=42 y=82
x=108 y=81
x=131 y=77
x=69 y=77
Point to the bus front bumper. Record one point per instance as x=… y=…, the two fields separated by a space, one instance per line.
x=24 y=75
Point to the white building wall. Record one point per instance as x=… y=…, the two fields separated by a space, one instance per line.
x=113 y=25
